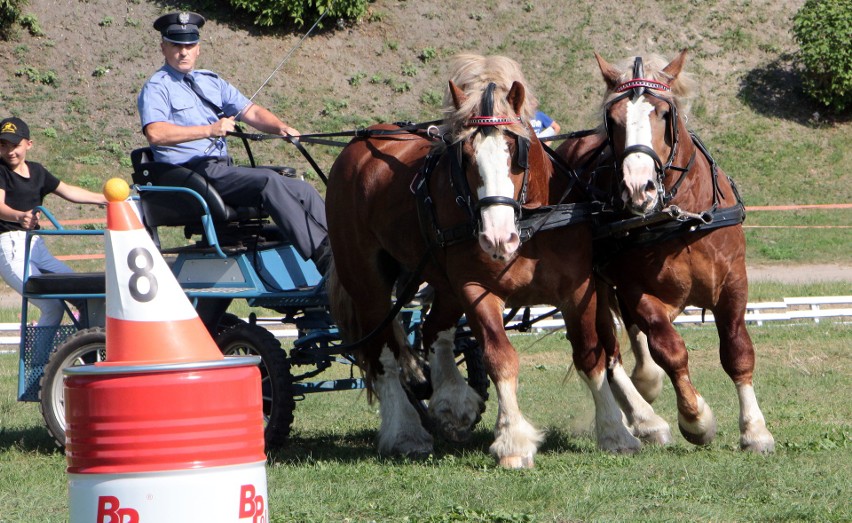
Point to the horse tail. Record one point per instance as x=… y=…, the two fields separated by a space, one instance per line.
x=343 y=309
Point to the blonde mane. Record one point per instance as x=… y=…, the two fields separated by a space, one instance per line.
x=683 y=87
x=472 y=73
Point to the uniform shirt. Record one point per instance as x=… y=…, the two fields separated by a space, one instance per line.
x=166 y=97
x=23 y=194
x=540 y=122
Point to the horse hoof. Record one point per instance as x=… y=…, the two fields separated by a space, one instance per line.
x=759 y=444
x=455 y=435
x=517 y=462
x=700 y=439
x=660 y=437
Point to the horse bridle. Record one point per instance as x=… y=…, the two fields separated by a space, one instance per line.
x=635 y=88
x=487 y=119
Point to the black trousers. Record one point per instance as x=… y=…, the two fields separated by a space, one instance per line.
x=294 y=205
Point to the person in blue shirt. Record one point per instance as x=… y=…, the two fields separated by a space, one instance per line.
x=186 y=114
x=544 y=126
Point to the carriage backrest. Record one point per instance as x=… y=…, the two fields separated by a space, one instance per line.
x=175 y=208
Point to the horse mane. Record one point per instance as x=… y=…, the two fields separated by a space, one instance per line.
x=472 y=73
x=683 y=86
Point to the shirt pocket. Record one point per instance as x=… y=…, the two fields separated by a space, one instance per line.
x=184 y=111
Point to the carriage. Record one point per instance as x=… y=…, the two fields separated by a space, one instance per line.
x=550 y=226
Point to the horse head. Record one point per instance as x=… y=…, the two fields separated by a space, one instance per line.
x=642 y=124
x=487 y=115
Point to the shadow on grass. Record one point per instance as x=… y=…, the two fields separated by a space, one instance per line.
x=32 y=439
x=776 y=90
x=360 y=446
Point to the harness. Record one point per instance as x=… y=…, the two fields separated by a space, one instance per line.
x=528 y=221
x=669 y=220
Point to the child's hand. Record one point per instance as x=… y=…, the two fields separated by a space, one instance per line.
x=29 y=220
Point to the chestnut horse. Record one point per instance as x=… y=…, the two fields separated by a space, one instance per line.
x=475 y=209
x=680 y=241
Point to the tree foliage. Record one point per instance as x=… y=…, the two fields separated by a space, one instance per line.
x=10 y=13
x=823 y=29
x=270 y=13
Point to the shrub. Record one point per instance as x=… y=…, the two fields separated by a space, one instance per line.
x=823 y=29
x=271 y=13
x=10 y=13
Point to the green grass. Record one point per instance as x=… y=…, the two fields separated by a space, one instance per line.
x=330 y=472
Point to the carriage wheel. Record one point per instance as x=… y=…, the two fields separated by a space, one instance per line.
x=83 y=348
x=227 y=321
x=245 y=339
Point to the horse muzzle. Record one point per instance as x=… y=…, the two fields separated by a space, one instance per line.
x=498 y=235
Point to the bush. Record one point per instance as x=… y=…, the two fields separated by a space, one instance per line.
x=10 y=13
x=823 y=29
x=271 y=13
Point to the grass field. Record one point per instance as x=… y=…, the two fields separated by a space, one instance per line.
x=330 y=472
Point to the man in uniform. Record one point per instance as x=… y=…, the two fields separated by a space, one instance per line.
x=186 y=114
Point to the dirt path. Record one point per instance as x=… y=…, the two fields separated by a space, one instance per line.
x=801 y=273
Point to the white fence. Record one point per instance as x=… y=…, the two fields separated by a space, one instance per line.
x=790 y=309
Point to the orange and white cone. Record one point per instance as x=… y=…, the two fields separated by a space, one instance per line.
x=166 y=429
x=149 y=319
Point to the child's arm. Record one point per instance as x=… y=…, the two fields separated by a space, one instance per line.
x=26 y=218
x=75 y=194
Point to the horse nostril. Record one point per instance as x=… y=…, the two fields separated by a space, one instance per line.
x=650 y=187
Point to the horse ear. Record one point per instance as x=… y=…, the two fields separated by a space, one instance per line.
x=610 y=73
x=516 y=97
x=676 y=65
x=459 y=98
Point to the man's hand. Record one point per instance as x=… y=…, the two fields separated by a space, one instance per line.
x=222 y=127
x=286 y=130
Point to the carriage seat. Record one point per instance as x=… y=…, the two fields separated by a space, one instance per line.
x=182 y=209
x=66 y=284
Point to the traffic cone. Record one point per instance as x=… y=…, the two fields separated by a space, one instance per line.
x=166 y=429
x=149 y=319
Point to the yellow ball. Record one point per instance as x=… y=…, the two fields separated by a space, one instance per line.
x=116 y=190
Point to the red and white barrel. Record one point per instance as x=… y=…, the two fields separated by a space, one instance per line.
x=166 y=429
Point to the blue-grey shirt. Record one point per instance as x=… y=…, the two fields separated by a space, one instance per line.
x=166 y=97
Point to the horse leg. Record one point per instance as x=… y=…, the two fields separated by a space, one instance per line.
x=647 y=376
x=641 y=418
x=454 y=406
x=516 y=441
x=590 y=359
x=400 y=431
x=695 y=418
x=736 y=353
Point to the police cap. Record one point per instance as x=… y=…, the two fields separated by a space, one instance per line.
x=180 y=28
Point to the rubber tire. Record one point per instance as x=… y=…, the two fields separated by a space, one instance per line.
x=84 y=347
x=227 y=321
x=245 y=339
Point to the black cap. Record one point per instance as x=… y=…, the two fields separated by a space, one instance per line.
x=180 y=28
x=14 y=130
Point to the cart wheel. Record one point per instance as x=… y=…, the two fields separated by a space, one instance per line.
x=227 y=321
x=83 y=348
x=245 y=339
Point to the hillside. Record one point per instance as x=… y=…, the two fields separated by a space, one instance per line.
x=95 y=55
